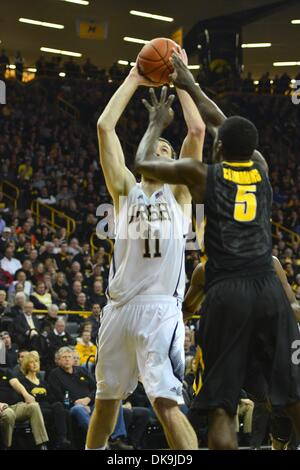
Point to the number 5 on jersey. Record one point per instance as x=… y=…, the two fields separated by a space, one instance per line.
x=245 y=203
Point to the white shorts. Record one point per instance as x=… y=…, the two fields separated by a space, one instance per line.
x=143 y=339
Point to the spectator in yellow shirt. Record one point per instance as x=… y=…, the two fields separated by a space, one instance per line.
x=25 y=170
x=41 y=297
x=86 y=348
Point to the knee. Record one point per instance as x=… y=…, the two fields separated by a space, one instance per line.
x=76 y=410
x=222 y=431
x=8 y=416
x=33 y=407
x=222 y=442
x=165 y=408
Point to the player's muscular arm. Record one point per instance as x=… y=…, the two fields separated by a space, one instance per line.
x=193 y=143
x=287 y=288
x=189 y=172
x=258 y=158
x=118 y=178
x=210 y=112
x=195 y=294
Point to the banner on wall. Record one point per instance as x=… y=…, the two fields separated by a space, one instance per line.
x=177 y=36
x=92 y=30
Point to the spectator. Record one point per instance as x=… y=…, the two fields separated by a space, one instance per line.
x=53 y=411
x=189 y=347
x=74 y=248
x=75 y=269
x=21 y=278
x=48 y=323
x=86 y=348
x=44 y=197
x=13 y=409
x=59 y=338
x=76 y=357
x=39 y=269
x=81 y=304
x=40 y=297
x=26 y=328
x=9 y=263
x=75 y=291
x=3 y=302
x=11 y=350
x=5 y=239
x=98 y=296
x=20 y=357
x=79 y=385
x=25 y=170
x=6 y=279
x=94 y=319
x=62 y=260
x=19 y=305
x=64 y=195
x=60 y=287
x=28 y=269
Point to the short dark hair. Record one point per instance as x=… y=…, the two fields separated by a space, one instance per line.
x=239 y=137
x=162 y=139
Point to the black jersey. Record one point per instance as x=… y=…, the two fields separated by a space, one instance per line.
x=238 y=202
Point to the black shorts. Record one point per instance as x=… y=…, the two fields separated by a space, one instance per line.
x=246 y=321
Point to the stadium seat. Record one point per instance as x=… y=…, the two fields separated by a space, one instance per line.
x=72 y=328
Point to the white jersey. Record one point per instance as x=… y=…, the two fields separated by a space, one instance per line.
x=149 y=247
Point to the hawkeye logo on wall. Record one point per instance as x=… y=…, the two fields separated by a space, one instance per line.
x=2 y=92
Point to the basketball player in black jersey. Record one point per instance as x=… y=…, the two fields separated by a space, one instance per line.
x=245 y=307
x=281 y=427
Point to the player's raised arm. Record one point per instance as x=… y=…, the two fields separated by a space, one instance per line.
x=287 y=288
x=118 y=178
x=183 y=79
x=193 y=143
x=195 y=294
x=190 y=172
x=210 y=112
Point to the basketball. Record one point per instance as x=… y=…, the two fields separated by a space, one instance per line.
x=153 y=60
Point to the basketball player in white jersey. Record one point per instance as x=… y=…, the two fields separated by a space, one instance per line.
x=142 y=331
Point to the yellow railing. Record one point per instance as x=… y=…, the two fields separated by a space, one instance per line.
x=68 y=107
x=54 y=217
x=11 y=192
x=84 y=314
x=294 y=237
x=95 y=247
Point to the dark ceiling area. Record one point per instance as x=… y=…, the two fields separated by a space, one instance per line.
x=275 y=28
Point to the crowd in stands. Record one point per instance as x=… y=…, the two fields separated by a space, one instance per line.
x=52 y=66
x=50 y=152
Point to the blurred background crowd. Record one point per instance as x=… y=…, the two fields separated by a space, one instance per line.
x=49 y=152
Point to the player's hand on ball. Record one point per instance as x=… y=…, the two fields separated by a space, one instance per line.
x=140 y=80
x=181 y=77
x=182 y=54
x=160 y=112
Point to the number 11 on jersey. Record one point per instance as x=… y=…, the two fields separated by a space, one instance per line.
x=147 y=253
